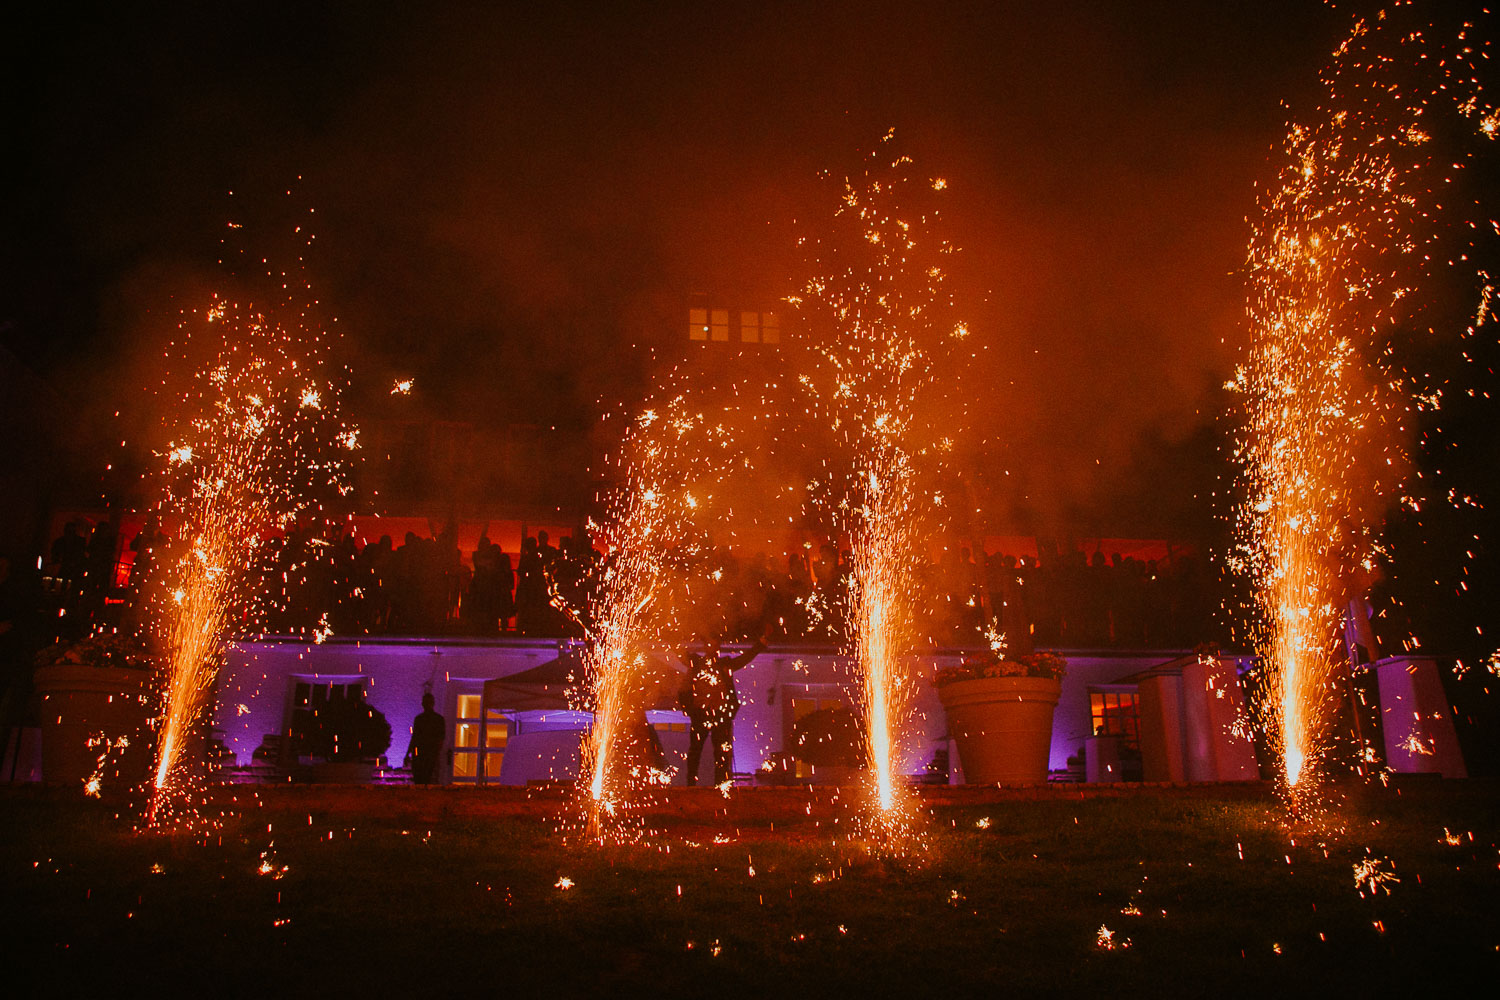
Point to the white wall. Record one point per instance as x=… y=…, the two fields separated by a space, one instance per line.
x=256 y=682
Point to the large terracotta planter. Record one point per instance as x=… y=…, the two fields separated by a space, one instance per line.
x=78 y=704
x=1003 y=726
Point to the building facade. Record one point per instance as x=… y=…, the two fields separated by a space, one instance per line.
x=1150 y=715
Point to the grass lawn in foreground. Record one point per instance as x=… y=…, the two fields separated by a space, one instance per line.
x=1206 y=892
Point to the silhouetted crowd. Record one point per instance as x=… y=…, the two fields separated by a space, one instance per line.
x=1084 y=601
x=1069 y=600
x=66 y=592
x=425 y=587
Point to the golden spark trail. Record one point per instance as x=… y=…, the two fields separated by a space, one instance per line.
x=883 y=611
x=623 y=628
x=881 y=324
x=1334 y=257
x=670 y=463
x=256 y=445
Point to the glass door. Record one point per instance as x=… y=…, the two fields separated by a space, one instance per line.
x=466 y=726
x=495 y=734
x=479 y=739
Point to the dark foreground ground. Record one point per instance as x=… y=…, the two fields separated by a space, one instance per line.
x=399 y=892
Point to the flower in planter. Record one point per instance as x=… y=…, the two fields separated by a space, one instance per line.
x=114 y=649
x=991 y=664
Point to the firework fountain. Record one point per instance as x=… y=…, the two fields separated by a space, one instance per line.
x=256 y=443
x=624 y=622
x=1341 y=241
x=883 y=605
x=670 y=462
x=879 y=316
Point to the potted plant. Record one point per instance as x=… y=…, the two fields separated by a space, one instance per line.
x=1000 y=712
x=95 y=696
x=344 y=736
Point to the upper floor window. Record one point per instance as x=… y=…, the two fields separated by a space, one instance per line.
x=713 y=325
x=750 y=327
x=770 y=328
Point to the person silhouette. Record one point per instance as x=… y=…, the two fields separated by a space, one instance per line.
x=428 y=732
x=531 y=588
x=708 y=697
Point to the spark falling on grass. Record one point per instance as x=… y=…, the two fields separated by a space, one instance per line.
x=256 y=444
x=1342 y=242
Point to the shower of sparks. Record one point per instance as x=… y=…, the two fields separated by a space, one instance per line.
x=883 y=602
x=878 y=316
x=256 y=448
x=623 y=630
x=1341 y=241
x=647 y=598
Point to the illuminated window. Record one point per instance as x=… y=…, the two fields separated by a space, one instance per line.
x=770 y=329
x=705 y=324
x=1115 y=714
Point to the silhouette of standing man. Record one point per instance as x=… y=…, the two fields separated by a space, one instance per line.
x=427 y=733
x=711 y=703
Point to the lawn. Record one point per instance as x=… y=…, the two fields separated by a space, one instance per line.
x=1204 y=891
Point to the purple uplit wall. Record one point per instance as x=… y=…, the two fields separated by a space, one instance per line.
x=257 y=683
x=258 y=680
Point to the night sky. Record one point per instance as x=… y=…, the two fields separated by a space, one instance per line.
x=508 y=199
